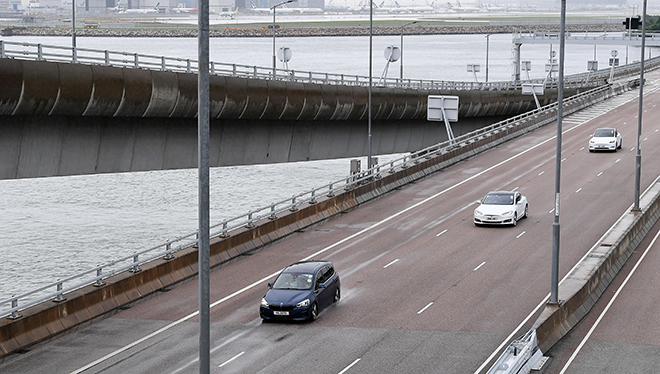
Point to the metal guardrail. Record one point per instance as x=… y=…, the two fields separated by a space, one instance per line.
x=41 y=52
x=56 y=291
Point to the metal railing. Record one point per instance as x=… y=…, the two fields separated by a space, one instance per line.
x=56 y=290
x=51 y=53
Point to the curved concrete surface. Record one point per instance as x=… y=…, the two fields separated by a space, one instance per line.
x=49 y=88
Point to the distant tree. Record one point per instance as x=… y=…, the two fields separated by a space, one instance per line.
x=652 y=23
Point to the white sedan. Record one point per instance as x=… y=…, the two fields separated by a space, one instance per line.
x=501 y=208
x=605 y=139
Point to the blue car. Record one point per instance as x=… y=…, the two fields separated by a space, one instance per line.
x=301 y=291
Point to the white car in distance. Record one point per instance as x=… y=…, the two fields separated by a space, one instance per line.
x=605 y=139
x=501 y=208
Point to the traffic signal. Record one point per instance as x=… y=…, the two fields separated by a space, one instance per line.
x=632 y=23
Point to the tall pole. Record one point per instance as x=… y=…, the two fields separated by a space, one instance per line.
x=487 y=48
x=203 y=244
x=554 y=298
x=407 y=24
x=638 y=157
x=73 y=25
x=274 y=8
x=371 y=26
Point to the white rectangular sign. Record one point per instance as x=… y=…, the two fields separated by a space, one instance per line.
x=435 y=105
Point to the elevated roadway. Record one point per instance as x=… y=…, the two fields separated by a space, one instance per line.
x=101 y=113
x=424 y=290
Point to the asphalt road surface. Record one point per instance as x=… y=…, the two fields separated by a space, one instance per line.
x=423 y=289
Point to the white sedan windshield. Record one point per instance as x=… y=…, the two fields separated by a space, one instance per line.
x=498 y=199
x=604 y=133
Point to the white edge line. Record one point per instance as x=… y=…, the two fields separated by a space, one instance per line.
x=584 y=341
x=231 y=359
x=350 y=366
x=424 y=308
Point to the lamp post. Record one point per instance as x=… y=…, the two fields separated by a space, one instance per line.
x=274 y=8
x=407 y=24
x=487 y=48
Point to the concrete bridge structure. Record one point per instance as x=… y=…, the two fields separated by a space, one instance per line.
x=83 y=114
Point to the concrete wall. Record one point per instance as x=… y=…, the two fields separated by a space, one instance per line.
x=41 y=322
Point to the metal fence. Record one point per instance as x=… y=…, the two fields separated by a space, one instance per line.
x=56 y=290
x=41 y=52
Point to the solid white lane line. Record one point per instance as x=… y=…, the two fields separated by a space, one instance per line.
x=350 y=366
x=342 y=241
x=231 y=359
x=616 y=294
x=386 y=266
x=424 y=308
x=480 y=265
x=442 y=232
x=521 y=234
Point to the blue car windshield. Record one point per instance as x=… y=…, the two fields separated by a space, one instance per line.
x=294 y=281
x=498 y=199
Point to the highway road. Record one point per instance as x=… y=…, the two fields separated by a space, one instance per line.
x=423 y=289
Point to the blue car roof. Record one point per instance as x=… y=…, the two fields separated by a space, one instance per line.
x=305 y=266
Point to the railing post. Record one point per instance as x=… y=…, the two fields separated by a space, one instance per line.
x=233 y=69
x=224 y=233
x=168 y=251
x=74 y=55
x=137 y=64
x=14 y=314
x=212 y=68
x=99 y=282
x=250 y=223
x=272 y=212
x=293 y=204
x=188 y=66
x=313 y=199
x=163 y=64
x=255 y=71
x=331 y=192
x=310 y=77
x=107 y=58
x=59 y=297
x=40 y=53
x=2 y=49
x=136 y=267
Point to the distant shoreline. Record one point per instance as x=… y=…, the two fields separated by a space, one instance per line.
x=257 y=32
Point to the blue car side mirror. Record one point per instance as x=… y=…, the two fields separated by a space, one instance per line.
x=270 y=284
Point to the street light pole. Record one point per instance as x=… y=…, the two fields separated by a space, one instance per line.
x=487 y=48
x=274 y=7
x=638 y=156
x=407 y=24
